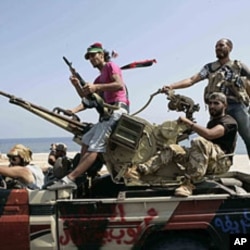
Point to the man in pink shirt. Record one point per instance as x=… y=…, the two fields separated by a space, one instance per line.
x=109 y=84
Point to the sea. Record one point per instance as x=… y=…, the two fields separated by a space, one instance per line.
x=42 y=145
x=39 y=145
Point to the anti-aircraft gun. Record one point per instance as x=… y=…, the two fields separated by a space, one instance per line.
x=136 y=152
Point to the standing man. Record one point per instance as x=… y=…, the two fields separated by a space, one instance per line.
x=109 y=84
x=211 y=152
x=28 y=175
x=229 y=77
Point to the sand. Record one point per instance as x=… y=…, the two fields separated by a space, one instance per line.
x=241 y=164
x=241 y=161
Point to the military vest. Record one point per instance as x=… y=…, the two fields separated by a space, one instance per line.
x=227 y=79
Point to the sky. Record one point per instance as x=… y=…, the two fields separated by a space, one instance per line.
x=179 y=34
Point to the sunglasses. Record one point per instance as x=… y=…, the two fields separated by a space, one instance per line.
x=13 y=158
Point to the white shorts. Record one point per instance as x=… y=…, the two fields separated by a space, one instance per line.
x=96 y=137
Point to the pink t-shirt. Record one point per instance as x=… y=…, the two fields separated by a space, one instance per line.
x=106 y=77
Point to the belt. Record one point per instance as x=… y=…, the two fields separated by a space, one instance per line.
x=121 y=105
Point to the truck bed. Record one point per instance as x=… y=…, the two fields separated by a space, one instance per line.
x=149 y=218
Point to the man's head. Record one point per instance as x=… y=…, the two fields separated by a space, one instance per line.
x=223 y=48
x=61 y=149
x=19 y=155
x=94 y=49
x=97 y=55
x=217 y=103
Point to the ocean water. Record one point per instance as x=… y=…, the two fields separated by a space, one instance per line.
x=38 y=145
x=42 y=145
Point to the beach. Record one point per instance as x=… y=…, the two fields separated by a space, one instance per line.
x=241 y=161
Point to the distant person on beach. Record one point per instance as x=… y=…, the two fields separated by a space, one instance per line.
x=110 y=85
x=227 y=76
x=20 y=170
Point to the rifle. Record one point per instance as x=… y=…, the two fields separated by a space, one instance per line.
x=92 y=100
x=74 y=72
x=57 y=116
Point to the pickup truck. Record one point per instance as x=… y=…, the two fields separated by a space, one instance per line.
x=141 y=218
x=115 y=213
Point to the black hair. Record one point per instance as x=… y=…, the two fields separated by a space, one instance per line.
x=107 y=57
x=229 y=43
x=218 y=95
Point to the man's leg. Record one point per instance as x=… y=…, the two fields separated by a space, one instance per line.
x=96 y=139
x=204 y=158
x=241 y=114
x=195 y=168
x=85 y=163
x=69 y=181
x=84 y=150
x=198 y=158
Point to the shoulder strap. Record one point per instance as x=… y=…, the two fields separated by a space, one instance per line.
x=214 y=66
x=235 y=64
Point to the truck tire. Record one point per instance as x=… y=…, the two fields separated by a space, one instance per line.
x=179 y=243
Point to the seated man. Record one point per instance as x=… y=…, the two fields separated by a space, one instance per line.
x=212 y=152
x=60 y=164
x=110 y=85
x=56 y=150
x=28 y=175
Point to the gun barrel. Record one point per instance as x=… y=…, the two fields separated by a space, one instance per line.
x=67 y=62
x=74 y=72
x=5 y=94
x=72 y=125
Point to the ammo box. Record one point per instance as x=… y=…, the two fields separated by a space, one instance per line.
x=128 y=132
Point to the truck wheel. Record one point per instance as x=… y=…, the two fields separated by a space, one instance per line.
x=180 y=243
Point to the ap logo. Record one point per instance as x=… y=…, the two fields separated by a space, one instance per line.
x=241 y=241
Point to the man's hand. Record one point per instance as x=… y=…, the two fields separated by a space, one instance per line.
x=165 y=89
x=89 y=88
x=74 y=80
x=77 y=84
x=185 y=120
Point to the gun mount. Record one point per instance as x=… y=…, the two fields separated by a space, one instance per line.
x=182 y=103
